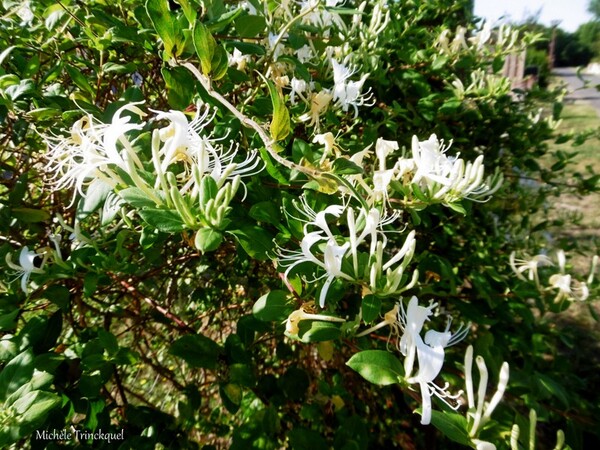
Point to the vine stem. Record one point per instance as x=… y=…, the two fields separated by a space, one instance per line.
x=270 y=144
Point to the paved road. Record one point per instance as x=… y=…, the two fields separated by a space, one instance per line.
x=577 y=91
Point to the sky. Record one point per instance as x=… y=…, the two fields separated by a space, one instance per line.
x=569 y=13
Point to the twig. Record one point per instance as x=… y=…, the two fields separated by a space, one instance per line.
x=249 y=123
x=180 y=323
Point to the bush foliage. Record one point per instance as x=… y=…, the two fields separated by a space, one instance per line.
x=250 y=224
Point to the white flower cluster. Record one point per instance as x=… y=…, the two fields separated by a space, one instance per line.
x=430 y=176
x=479 y=412
x=328 y=249
x=429 y=353
x=563 y=284
x=483 y=85
x=344 y=94
x=503 y=40
x=104 y=153
x=315 y=92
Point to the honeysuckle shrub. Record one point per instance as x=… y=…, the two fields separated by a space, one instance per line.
x=283 y=225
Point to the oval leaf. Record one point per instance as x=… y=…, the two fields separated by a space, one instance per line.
x=196 y=350
x=377 y=366
x=272 y=307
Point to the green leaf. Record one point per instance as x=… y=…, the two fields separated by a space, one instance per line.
x=378 y=367
x=110 y=209
x=95 y=197
x=272 y=169
x=552 y=387
x=456 y=206
x=343 y=166
x=25 y=87
x=5 y=53
x=217 y=25
x=59 y=295
x=108 y=341
x=280 y=124
x=136 y=198
x=231 y=396
x=267 y=212
x=220 y=63
x=249 y=26
x=317 y=331
x=188 y=10
x=257 y=242
x=31 y=215
x=80 y=80
x=272 y=307
x=242 y=374
x=163 y=220
x=305 y=439
x=44 y=113
x=208 y=189
x=452 y=425
x=418 y=192
x=205 y=45
x=208 y=240
x=450 y=106
x=180 y=85
x=166 y=26
x=248 y=49
x=439 y=62
x=130 y=67
x=370 y=307
x=16 y=373
x=35 y=405
x=8 y=321
x=196 y=350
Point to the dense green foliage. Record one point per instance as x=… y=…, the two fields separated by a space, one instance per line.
x=230 y=300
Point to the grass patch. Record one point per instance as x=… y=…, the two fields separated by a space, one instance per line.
x=581 y=120
x=580 y=215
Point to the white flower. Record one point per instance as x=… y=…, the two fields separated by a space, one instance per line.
x=323 y=246
x=186 y=142
x=321 y=17
x=26 y=265
x=305 y=54
x=347 y=93
x=331 y=147
x=483 y=445
x=484 y=35
x=520 y=266
x=459 y=42
x=319 y=102
x=433 y=166
x=383 y=176
x=298 y=86
x=449 y=179
x=91 y=152
x=479 y=412
x=238 y=59
x=568 y=288
x=331 y=260
x=332 y=256
x=274 y=44
x=429 y=352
